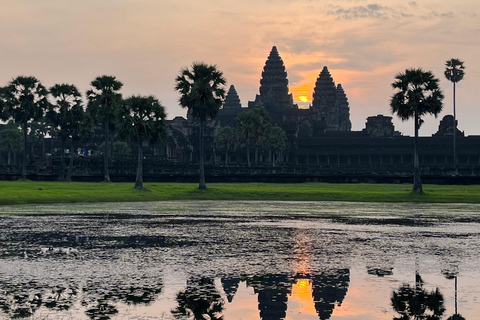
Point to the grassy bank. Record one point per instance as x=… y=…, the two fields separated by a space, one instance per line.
x=24 y=192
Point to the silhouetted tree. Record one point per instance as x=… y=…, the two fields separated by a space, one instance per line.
x=11 y=141
x=254 y=126
x=103 y=99
x=25 y=100
x=141 y=119
x=418 y=94
x=454 y=73
x=38 y=131
x=202 y=90
x=225 y=140
x=276 y=142
x=63 y=116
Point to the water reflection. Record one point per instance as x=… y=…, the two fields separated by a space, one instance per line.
x=328 y=290
x=200 y=299
x=23 y=300
x=100 y=298
x=210 y=264
x=417 y=303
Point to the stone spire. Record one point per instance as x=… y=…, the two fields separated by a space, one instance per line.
x=274 y=76
x=324 y=99
x=232 y=101
x=343 y=109
x=274 y=95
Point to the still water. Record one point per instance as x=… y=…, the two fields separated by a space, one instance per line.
x=240 y=260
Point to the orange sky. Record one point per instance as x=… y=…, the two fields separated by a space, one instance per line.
x=146 y=42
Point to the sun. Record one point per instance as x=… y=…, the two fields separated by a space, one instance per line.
x=303 y=98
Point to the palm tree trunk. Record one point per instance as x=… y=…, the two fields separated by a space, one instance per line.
x=248 y=154
x=139 y=179
x=9 y=156
x=43 y=147
x=24 y=164
x=70 y=165
x=454 y=133
x=61 y=177
x=202 y=184
x=456 y=290
x=417 y=184
x=105 y=152
x=226 y=157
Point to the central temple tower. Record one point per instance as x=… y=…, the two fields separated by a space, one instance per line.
x=274 y=95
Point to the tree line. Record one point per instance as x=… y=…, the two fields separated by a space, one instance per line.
x=141 y=119
x=59 y=111
x=253 y=129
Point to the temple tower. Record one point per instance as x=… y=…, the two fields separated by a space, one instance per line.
x=231 y=108
x=232 y=101
x=330 y=104
x=274 y=95
x=343 y=109
x=324 y=99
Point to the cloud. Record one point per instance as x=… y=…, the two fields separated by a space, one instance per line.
x=374 y=11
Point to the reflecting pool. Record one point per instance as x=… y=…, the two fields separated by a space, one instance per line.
x=240 y=260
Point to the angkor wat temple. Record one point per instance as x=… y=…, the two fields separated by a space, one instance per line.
x=320 y=139
x=320 y=143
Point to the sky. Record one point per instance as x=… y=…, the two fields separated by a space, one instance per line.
x=145 y=43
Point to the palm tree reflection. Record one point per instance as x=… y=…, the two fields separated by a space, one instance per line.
x=22 y=300
x=200 y=299
x=452 y=274
x=416 y=303
x=100 y=298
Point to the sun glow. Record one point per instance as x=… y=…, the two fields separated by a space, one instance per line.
x=301 y=299
x=303 y=99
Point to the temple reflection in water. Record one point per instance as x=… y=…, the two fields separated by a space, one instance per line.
x=220 y=264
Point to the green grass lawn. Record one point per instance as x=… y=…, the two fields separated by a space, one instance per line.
x=24 y=192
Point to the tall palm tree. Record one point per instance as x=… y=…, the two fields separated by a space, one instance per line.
x=25 y=99
x=62 y=116
x=141 y=119
x=103 y=99
x=417 y=94
x=202 y=90
x=454 y=73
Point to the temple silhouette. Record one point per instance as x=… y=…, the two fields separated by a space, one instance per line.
x=320 y=138
x=320 y=146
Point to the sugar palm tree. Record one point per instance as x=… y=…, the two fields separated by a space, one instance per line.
x=454 y=73
x=103 y=99
x=62 y=115
x=202 y=91
x=417 y=94
x=25 y=100
x=141 y=119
